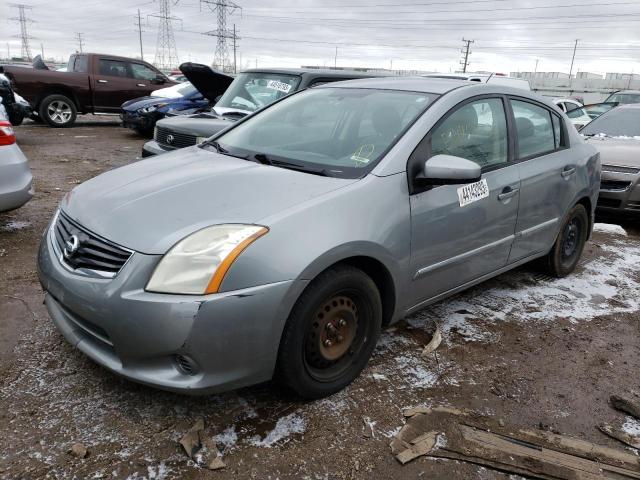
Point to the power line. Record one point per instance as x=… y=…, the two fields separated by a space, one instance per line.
x=166 y=53
x=24 y=34
x=466 y=51
x=221 y=8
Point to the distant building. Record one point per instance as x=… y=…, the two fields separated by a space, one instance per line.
x=625 y=77
x=539 y=75
x=588 y=76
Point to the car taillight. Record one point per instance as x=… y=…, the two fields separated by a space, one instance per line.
x=7 y=135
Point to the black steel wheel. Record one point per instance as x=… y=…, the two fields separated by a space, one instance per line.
x=568 y=247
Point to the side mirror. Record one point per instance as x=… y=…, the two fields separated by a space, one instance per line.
x=159 y=80
x=449 y=170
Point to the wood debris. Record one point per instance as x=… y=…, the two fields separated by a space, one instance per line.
x=619 y=435
x=625 y=405
x=433 y=344
x=445 y=432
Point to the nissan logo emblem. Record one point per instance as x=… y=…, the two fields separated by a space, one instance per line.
x=169 y=139
x=71 y=246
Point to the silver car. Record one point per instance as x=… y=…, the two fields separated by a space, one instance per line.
x=281 y=247
x=16 y=182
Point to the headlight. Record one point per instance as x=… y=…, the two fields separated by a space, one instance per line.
x=197 y=264
x=153 y=108
x=200 y=140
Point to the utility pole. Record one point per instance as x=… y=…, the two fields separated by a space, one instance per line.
x=8 y=51
x=24 y=34
x=535 y=70
x=80 y=40
x=235 y=65
x=166 y=53
x=139 y=22
x=575 y=47
x=42 y=51
x=222 y=8
x=466 y=51
x=335 y=59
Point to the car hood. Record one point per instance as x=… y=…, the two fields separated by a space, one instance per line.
x=209 y=83
x=150 y=205
x=200 y=125
x=141 y=102
x=623 y=151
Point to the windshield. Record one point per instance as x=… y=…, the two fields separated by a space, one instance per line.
x=251 y=91
x=341 y=131
x=619 y=122
x=624 y=98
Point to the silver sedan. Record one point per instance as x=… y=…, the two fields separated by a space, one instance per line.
x=16 y=186
x=280 y=247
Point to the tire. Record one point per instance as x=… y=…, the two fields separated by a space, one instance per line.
x=16 y=119
x=144 y=132
x=347 y=299
x=568 y=247
x=35 y=117
x=58 y=111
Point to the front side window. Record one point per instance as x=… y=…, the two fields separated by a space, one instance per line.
x=143 y=72
x=534 y=128
x=112 y=68
x=342 y=131
x=476 y=131
x=252 y=91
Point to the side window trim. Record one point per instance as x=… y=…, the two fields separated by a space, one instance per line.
x=564 y=142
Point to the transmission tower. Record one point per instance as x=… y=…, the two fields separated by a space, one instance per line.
x=466 y=51
x=222 y=8
x=24 y=34
x=166 y=54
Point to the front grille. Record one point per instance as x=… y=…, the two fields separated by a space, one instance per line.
x=617 y=185
x=609 y=203
x=82 y=250
x=619 y=169
x=165 y=136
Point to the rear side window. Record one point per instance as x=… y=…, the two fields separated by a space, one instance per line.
x=535 y=129
x=557 y=131
x=476 y=131
x=80 y=64
x=113 y=68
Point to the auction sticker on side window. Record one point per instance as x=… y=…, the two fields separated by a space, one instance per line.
x=280 y=86
x=473 y=192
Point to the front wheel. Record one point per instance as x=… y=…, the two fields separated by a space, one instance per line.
x=567 y=250
x=330 y=334
x=58 y=111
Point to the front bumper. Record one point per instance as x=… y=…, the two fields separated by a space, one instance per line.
x=152 y=148
x=138 y=121
x=232 y=338
x=16 y=181
x=619 y=193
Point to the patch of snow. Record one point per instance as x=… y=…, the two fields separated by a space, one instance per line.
x=441 y=440
x=285 y=427
x=228 y=438
x=416 y=371
x=377 y=376
x=609 y=228
x=631 y=426
x=371 y=424
x=14 y=226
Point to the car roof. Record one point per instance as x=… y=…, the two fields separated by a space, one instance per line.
x=317 y=72
x=634 y=92
x=409 y=84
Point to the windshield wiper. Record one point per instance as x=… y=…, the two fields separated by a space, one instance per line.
x=219 y=148
x=264 y=159
x=229 y=114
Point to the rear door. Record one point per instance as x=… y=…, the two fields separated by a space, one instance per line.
x=113 y=84
x=454 y=242
x=548 y=176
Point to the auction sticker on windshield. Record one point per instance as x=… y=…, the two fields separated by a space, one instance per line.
x=473 y=192
x=280 y=86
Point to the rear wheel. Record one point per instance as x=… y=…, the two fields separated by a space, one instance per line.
x=567 y=250
x=58 y=111
x=330 y=333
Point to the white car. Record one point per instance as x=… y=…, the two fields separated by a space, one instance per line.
x=494 y=78
x=16 y=182
x=578 y=117
x=567 y=104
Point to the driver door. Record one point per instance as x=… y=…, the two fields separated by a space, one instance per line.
x=454 y=242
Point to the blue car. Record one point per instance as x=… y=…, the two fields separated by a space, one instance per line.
x=141 y=114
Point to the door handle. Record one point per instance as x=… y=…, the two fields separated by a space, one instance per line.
x=141 y=85
x=102 y=81
x=567 y=172
x=507 y=193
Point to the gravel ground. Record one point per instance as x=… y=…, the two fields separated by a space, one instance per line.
x=530 y=350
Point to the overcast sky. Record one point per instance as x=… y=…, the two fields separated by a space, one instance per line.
x=509 y=35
